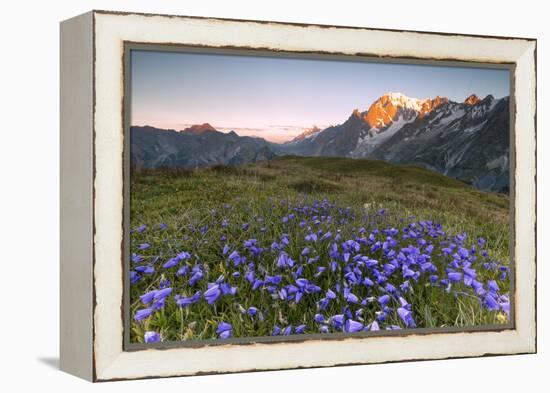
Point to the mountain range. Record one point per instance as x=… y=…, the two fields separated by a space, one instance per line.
x=196 y=146
x=466 y=140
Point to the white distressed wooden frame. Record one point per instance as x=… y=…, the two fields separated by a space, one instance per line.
x=92 y=90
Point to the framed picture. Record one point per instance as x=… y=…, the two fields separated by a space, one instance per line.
x=246 y=195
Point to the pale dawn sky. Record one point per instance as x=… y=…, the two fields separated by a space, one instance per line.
x=278 y=98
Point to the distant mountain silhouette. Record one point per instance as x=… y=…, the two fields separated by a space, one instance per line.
x=196 y=146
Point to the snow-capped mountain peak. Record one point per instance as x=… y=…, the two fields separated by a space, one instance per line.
x=400 y=100
x=429 y=104
x=388 y=107
x=309 y=133
x=472 y=99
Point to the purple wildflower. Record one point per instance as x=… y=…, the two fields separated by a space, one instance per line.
x=151 y=337
x=197 y=276
x=143 y=314
x=186 y=301
x=384 y=299
x=493 y=286
x=252 y=311
x=225 y=249
x=162 y=293
x=170 y=263
x=353 y=326
x=212 y=293
x=134 y=277
x=224 y=330
x=406 y=316
x=454 y=276
x=148 y=297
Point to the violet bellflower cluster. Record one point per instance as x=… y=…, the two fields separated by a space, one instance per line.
x=311 y=267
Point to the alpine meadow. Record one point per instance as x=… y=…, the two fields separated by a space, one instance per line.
x=262 y=204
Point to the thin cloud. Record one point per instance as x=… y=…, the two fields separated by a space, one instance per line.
x=274 y=132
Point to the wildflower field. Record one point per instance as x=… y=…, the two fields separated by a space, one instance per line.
x=312 y=245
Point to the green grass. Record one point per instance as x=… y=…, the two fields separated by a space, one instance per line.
x=192 y=199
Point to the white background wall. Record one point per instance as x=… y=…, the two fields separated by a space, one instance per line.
x=29 y=195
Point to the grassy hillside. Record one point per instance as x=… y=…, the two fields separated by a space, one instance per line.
x=209 y=211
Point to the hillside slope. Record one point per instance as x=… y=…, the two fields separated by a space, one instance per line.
x=405 y=190
x=274 y=237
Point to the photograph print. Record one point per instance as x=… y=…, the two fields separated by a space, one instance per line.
x=280 y=196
